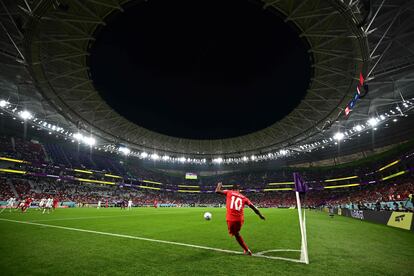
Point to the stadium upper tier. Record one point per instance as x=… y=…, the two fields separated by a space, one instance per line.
x=73 y=163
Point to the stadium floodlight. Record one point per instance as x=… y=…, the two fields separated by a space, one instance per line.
x=165 y=158
x=78 y=136
x=89 y=141
x=339 y=136
x=253 y=157
x=283 y=152
x=373 y=121
x=218 y=160
x=181 y=159
x=25 y=115
x=144 y=154
x=245 y=158
x=4 y=103
x=394 y=120
x=357 y=128
x=124 y=150
x=155 y=156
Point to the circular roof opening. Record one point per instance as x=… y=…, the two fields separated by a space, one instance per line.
x=207 y=69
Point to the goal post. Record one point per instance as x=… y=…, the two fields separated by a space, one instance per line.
x=300 y=187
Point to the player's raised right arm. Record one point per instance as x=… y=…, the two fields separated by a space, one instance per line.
x=219 y=189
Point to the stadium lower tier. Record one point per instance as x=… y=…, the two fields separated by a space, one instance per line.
x=396 y=195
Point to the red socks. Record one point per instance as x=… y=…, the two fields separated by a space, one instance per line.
x=241 y=242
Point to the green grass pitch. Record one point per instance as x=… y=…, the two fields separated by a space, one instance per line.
x=338 y=246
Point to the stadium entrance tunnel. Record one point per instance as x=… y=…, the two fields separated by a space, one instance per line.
x=207 y=69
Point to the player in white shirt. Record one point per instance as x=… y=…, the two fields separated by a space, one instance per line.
x=10 y=204
x=42 y=204
x=48 y=205
x=129 y=205
x=99 y=204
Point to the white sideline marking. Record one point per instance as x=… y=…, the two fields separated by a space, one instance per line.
x=277 y=250
x=150 y=240
x=80 y=218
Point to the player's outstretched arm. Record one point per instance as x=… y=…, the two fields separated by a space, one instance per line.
x=219 y=189
x=257 y=211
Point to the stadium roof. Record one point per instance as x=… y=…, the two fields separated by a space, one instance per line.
x=44 y=68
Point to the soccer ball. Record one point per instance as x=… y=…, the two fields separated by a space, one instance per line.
x=207 y=216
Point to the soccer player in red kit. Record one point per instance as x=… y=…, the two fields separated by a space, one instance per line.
x=55 y=203
x=235 y=203
x=27 y=204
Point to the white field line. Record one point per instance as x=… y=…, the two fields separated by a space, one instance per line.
x=80 y=218
x=146 y=239
x=277 y=250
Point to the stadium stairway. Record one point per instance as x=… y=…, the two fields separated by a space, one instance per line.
x=47 y=157
x=13 y=143
x=12 y=188
x=32 y=186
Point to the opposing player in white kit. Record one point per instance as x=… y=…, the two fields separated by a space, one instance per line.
x=129 y=205
x=10 y=204
x=48 y=206
x=42 y=204
x=99 y=204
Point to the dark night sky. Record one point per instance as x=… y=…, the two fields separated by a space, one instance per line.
x=202 y=69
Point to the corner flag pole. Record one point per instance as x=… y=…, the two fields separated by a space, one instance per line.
x=301 y=187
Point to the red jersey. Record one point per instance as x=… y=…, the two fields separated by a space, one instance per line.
x=235 y=202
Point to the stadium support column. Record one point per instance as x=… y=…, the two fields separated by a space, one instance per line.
x=302 y=223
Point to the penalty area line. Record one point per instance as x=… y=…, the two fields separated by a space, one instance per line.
x=147 y=239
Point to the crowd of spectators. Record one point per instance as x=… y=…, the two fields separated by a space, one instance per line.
x=61 y=161
x=21 y=149
x=72 y=191
x=5 y=189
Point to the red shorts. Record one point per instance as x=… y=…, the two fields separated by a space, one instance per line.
x=234 y=227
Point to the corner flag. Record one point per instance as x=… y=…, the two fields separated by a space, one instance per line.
x=301 y=187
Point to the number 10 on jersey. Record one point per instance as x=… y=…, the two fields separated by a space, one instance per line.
x=236 y=203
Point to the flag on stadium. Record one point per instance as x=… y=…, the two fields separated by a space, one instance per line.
x=347 y=110
x=361 y=79
x=300 y=185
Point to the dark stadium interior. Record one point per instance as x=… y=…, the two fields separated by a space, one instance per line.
x=200 y=69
